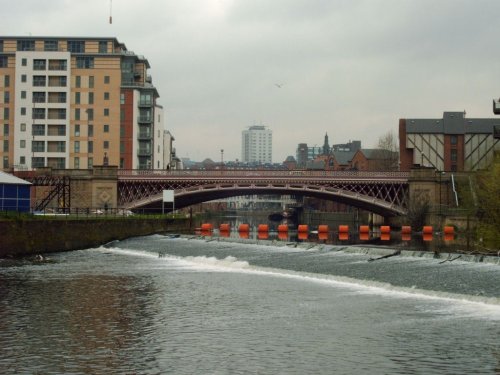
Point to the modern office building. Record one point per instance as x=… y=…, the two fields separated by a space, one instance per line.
x=70 y=102
x=257 y=145
x=451 y=143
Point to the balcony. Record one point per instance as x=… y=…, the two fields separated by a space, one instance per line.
x=145 y=135
x=144 y=151
x=144 y=119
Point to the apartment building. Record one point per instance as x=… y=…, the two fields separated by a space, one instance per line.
x=257 y=145
x=77 y=102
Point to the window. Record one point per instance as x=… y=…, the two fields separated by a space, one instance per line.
x=24 y=61
x=6 y=146
x=106 y=145
x=4 y=61
x=85 y=62
x=39 y=97
x=106 y=79
x=78 y=81
x=122 y=131
x=1 y=45
x=6 y=162
x=6 y=97
x=453 y=155
x=23 y=78
x=91 y=147
x=38 y=146
x=6 y=113
x=77 y=146
x=5 y=129
x=90 y=130
x=39 y=81
x=57 y=81
x=77 y=97
x=122 y=98
x=58 y=65
x=6 y=81
x=23 y=111
x=57 y=113
x=76 y=46
x=50 y=45
x=106 y=96
x=37 y=162
x=22 y=143
x=39 y=64
x=23 y=127
x=122 y=147
x=106 y=128
x=25 y=45
x=91 y=162
x=38 y=129
x=57 y=130
x=77 y=130
x=77 y=114
x=57 y=97
x=453 y=140
x=23 y=94
x=91 y=82
x=22 y=160
x=77 y=163
x=91 y=98
x=103 y=46
x=90 y=114
x=56 y=146
x=106 y=111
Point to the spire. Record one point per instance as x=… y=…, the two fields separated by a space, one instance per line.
x=326 y=146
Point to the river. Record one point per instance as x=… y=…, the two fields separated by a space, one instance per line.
x=193 y=305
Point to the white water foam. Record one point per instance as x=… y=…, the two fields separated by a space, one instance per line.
x=472 y=306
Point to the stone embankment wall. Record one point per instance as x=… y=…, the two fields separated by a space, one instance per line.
x=30 y=237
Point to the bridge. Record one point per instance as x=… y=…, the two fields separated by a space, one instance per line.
x=384 y=193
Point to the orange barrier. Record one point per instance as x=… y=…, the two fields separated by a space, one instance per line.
x=427 y=229
x=364 y=236
x=244 y=234
x=283 y=236
x=263 y=228
x=322 y=228
x=207 y=227
x=282 y=228
x=427 y=237
x=302 y=228
x=244 y=228
x=206 y=233
x=449 y=230
x=224 y=233
x=343 y=228
x=343 y=236
x=262 y=235
x=302 y=235
x=225 y=227
x=385 y=229
x=406 y=229
x=364 y=229
x=323 y=236
x=449 y=236
x=406 y=236
x=385 y=236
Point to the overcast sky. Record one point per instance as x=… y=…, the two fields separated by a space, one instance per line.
x=350 y=68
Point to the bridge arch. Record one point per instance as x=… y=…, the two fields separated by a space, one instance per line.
x=386 y=197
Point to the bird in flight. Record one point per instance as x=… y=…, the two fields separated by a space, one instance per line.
x=279 y=85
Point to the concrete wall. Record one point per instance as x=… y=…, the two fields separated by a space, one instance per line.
x=29 y=237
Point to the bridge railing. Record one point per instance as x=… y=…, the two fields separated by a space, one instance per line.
x=259 y=173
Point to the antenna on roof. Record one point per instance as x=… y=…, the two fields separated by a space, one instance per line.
x=110 y=11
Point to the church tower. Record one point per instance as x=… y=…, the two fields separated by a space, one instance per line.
x=326 y=146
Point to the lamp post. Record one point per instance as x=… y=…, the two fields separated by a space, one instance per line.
x=221 y=159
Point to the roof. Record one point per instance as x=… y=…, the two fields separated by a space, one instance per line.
x=452 y=123
x=6 y=178
x=343 y=157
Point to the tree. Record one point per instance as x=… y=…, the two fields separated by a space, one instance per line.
x=388 y=152
x=488 y=194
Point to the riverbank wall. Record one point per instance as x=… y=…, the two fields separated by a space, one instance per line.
x=31 y=237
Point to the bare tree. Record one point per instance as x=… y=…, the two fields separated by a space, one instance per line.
x=388 y=152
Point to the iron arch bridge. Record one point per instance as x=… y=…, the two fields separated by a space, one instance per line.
x=384 y=193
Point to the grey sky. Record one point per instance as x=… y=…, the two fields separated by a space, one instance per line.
x=351 y=68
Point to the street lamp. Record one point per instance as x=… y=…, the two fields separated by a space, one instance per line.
x=221 y=158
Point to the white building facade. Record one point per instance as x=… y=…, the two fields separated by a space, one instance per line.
x=257 y=145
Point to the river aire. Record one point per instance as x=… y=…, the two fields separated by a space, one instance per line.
x=166 y=304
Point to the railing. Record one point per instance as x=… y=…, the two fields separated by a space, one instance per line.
x=261 y=173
